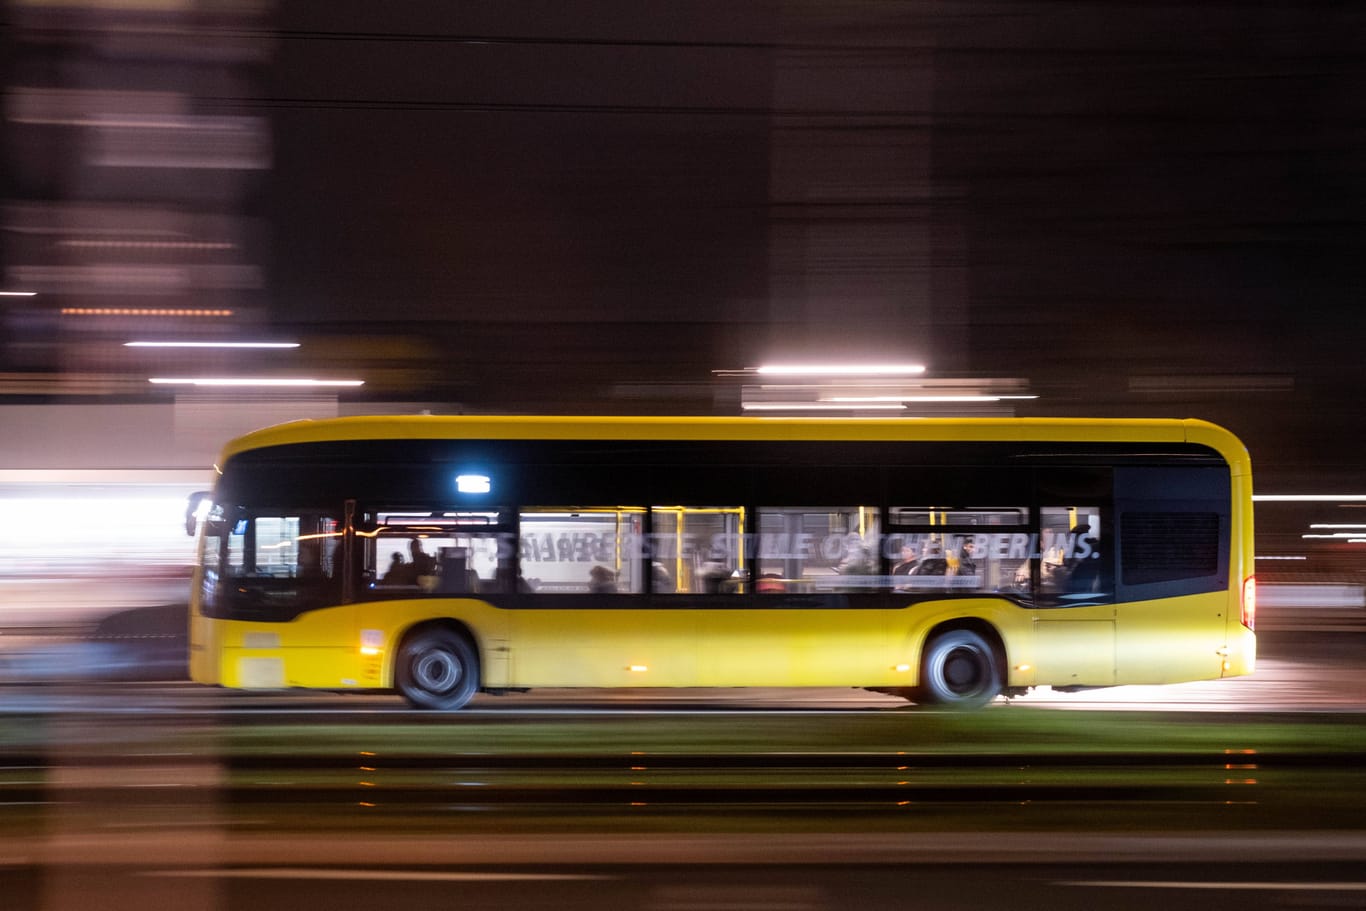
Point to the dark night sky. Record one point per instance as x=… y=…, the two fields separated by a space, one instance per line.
x=1138 y=208
x=1141 y=208
x=578 y=167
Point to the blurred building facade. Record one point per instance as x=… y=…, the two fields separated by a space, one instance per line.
x=132 y=190
x=1121 y=209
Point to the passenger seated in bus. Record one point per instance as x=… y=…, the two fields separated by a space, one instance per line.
x=858 y=559
x=395 y=567
x=399 y=573
x=424 y=564
x=602 y=580
x=1083 y=574
x=967 y=566
x=910 y=558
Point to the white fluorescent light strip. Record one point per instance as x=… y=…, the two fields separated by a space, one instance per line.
x=211 y=344
x=812 y=406
x=1338 y=526
x=1282 y=558
x=1309 y=497
x=247 y=381
x=1337 y=536
x=840 y=369
x=924 y=398
x=18 y=293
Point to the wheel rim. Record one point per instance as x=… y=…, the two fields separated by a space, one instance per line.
x=437 y=671
x=964 y=671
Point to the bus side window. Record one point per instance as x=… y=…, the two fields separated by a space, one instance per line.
x=1075 y=565
x=698 y=550
x=818 y=549
x=580 y=550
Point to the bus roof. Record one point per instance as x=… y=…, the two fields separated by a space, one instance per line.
x=521 y=427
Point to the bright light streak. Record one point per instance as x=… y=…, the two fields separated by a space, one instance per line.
x=149 y=244
x=1338 y=526
x=840 y=369
x=247 y=381
x=211 y=344
x=1282 y=558
x=18 y=293
x=68 y=531
x=816 y=406
x=924 y=398
x=1336 y=535
x=142 y=311
x=1309 y=497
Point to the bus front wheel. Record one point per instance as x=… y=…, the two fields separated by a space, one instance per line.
x=960 y=670
x=437 y=669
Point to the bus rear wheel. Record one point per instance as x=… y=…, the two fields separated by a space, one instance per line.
x=437 y=669
x=960 y=670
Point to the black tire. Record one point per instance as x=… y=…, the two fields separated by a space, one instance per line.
x=960 y=670
x=437 y=669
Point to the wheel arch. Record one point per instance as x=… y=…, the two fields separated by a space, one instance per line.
x=1007 y=626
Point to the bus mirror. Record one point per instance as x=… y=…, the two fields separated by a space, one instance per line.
x=197 y=501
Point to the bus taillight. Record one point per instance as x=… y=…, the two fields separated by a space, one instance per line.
x=1249 y=612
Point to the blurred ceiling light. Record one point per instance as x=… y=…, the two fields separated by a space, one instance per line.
x=1337 y=526
x=924 y=398
x=1260 y=557
x=149 y=244
x=1336 y=535
x=816 y=406
x=840 y=369
x=211 y=344
x=247 y=381
x=18 y=293
x=1308 y=497
x=141 y=311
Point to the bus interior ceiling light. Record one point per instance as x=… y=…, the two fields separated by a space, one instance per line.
x=211 y=344
x=18 y=293
x=247 y=381
x=840 y=369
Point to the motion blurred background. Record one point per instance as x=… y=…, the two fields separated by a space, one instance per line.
x=1060 y=209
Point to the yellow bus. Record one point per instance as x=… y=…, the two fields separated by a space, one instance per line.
x=946 y=561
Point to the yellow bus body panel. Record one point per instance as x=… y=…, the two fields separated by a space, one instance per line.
x=353 y=647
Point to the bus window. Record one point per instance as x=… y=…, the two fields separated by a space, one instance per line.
x=436 y=553
x=961 y=549
x=698 y=550
x=283 y=547
x=581 y=550
x=811 y=549
x=1074 y=563
x=271 y=567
